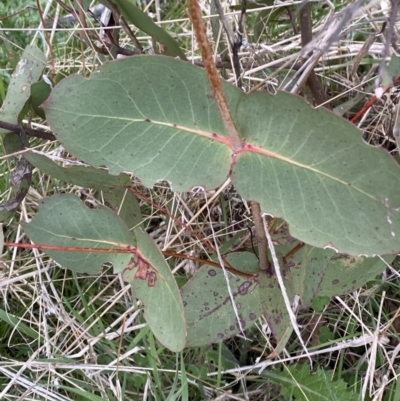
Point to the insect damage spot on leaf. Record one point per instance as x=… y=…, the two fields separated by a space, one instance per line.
x=144 y=271
x=244 y=288
x=151 y=279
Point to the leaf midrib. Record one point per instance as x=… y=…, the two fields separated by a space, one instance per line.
x=247 y=148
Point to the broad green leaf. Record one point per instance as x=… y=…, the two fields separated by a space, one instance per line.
x=65 y=221
x=315 y=272
x=86 y=177
x=273 y=306
x=299 y=381
x=313 y=170
x=153 y=283
x=160 y=135
x=125 y=204
x=40 y=92
x=307 y=166
x=28 y=71
x=208 y=308
x=137 y=17
x=245 y=262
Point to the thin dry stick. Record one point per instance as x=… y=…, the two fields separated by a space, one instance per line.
x=47 y=38
x=225 y=23
x=212 y=73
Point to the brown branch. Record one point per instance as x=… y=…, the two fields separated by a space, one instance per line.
x=260 y=236
x=212 y=73
x=237 y=143
x=28 y=131
x=306 y=36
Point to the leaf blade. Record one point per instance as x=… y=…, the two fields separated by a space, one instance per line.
x=64 y=220
x=28 y=71
x=140 y=19
x=154 y=284
x=208 y=307
x=180 y=120
x=313 y=170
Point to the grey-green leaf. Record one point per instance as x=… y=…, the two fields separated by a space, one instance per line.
x=310 y=167
x=154 y=284
x=161 y=134
x=140 y=19
x=86 y=177
x=208 y=308
x=64 y=220
x=28 y=71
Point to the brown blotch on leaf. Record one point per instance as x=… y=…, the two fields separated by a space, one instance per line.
x=151 y=279
x=141 y=273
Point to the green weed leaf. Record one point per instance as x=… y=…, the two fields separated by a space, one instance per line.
x=298 y=381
